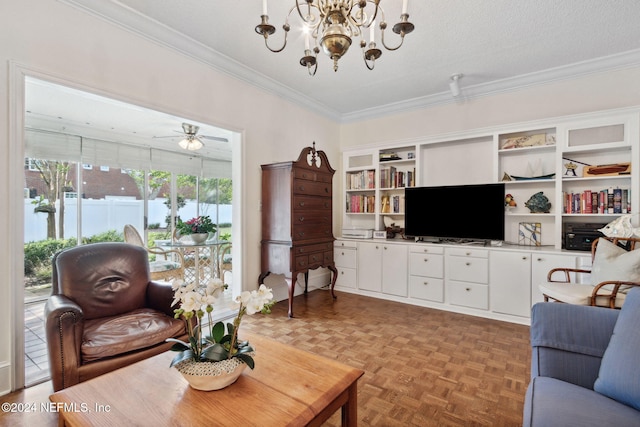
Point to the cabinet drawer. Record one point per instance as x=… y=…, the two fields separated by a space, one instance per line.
x=301 y=262
x=345 y=244
x=307 y=249
x=317 y=218
x=471 y=295
x=311 y=203
x=347 y=278
x=316 y=260
x=427 y=288
x=422 y=249
x=311 y=175
x=306 y=232
x=468 y=252
x=345 y=257
x=468 y=269
x=311 y=188
x=426 y=265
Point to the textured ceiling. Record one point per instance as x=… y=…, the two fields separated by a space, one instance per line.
x=496 y=44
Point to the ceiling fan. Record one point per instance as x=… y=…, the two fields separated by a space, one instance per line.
x=192 y=141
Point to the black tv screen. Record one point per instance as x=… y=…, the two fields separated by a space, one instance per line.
x=473 y=212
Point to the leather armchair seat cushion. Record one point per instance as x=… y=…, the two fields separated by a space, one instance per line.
x=116 y=335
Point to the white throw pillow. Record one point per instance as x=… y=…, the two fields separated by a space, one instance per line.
x=613 y=263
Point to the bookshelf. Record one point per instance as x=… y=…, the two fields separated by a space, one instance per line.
x=554 y=156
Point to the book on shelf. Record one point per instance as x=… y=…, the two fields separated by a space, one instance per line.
x=606 y=201
x=361 y=180
x=361 y=203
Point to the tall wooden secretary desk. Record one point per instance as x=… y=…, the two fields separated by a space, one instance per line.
x=297 y=234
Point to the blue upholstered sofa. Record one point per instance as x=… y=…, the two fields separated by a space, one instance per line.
x=585 y=365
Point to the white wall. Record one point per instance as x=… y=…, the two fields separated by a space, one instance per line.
x=49 y=39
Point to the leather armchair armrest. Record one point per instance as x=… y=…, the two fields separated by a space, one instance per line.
x=160 y=297
x=64 y=326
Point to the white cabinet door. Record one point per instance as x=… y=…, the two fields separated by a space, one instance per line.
x=510 y=283
x=394 y=269
x=541 y=264
x=370 y=266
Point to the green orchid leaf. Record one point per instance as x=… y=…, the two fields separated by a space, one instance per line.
x=215 y=353
x=218 y=331
x=246 y=359
x=185 y=355
x=179 y=345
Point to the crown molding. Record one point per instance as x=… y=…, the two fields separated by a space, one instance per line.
x=131 y=20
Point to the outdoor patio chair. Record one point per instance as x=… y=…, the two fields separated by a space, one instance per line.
x=163 y=267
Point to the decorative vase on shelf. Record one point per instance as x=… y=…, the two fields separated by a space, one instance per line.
x=208 y=376
x=199 y=238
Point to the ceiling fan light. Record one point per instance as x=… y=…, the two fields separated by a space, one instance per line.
x=190 y=143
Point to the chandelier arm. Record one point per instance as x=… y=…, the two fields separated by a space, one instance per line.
x=309 y=5
x=391 y=48
x=266 y=43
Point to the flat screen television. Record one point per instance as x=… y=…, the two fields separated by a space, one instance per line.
x=459 y=212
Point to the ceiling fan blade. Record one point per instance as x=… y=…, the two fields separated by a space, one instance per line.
x=213 y=138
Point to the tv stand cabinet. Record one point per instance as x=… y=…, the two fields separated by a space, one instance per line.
x=497 y=282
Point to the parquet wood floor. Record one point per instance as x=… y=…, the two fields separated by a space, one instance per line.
x=423 y=367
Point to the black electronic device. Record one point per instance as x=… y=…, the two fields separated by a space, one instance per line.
x=473 y=212
x=580 y=236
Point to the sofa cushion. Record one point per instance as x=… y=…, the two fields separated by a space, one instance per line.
x=619 y=376
x=611 y=262
x=552 y=402
x=112 y=336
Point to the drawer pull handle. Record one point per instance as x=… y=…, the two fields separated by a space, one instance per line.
x=426 y=250
x=301 y=203
x=426 y=259
x=326 y=204
x=425 y=283
x=539 y=259
x=468 y=253
x=524 y=258
x=468 y=263
x=342 y=253
x=301 y=219
x=385 y=248
x=342 y=272
x=467 y=289
x=326 y=189
x=301 y=188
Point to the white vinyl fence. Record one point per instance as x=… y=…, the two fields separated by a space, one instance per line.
x=112 y=214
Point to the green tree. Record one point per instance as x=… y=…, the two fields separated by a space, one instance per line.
x=55 y=175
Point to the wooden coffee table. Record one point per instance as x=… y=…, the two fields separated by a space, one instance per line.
x=288 y=387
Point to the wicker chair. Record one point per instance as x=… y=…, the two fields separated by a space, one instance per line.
x=613 y=273
x=224 y=260
x=162 y=268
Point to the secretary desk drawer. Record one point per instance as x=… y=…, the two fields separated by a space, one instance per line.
x=310 y=175
x=311 y=203
x=306 y=232
x=311 y=188
x=307 y=249
x=318 y=218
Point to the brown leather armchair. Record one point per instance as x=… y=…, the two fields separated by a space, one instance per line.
x=104 y=312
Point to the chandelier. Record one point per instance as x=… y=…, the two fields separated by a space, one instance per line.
x=330 y=25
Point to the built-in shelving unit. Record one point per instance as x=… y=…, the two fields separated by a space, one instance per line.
x=547 y=156
x=556 y=157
